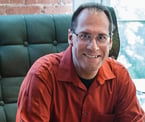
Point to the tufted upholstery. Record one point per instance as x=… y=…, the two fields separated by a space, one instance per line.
x=23 y=39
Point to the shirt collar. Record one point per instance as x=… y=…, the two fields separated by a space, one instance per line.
x=105 y=73
x=66 y=66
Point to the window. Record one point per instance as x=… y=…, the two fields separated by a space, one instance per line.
x=131 y=23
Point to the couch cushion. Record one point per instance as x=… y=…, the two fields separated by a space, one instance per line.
x=23 y=39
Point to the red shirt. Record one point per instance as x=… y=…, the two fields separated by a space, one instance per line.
x=53 y=92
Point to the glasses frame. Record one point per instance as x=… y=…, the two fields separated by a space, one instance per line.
x=99 y=42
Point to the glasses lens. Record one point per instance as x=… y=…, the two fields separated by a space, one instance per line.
x=85 y=36
x=101 y=38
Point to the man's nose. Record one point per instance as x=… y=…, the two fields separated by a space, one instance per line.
x=93 y=45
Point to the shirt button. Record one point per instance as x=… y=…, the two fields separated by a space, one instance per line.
x=54 y=42
x=85 y=113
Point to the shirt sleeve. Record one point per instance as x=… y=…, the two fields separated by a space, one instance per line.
x=35 y=97
x=128 y=108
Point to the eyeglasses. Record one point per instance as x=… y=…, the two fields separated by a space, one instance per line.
x=100 y=38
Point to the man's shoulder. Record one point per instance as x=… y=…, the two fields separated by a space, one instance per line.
x=114 y=63
x=120 y=71
x=52 y=58
x=47 y=62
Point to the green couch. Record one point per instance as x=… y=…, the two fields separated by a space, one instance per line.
x=23 y=39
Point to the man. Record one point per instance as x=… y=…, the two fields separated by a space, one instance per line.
x=80 y=84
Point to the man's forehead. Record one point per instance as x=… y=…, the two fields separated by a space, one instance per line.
x=89 y=11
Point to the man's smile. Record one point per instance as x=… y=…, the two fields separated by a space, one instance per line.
x=92 y=56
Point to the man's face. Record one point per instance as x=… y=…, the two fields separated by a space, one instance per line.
x=88 y=56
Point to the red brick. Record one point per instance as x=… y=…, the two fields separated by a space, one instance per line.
x=67 y=1
x=30 y=1
x=58 y=9
x=4 y=1
x=35 y=6
x=17 y=1
x=48 y=1
x=23 y=10
x=2 y=10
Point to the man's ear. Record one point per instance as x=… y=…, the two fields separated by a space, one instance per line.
x=110 y=44
x=70 y=34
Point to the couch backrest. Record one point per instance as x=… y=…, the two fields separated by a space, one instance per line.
x=23 y=39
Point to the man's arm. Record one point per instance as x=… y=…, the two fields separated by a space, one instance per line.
x=34 y=98
x=128 y=108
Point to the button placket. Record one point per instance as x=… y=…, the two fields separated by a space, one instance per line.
x=84 y=110
x=85 y=113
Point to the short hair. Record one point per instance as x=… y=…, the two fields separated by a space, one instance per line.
x=97 y=7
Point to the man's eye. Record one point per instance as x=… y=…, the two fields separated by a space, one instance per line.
x=102 y=37
x=86 y=36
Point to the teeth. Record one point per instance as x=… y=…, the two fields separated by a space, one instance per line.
x=91 y=56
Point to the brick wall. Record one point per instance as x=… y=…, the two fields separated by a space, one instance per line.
x=35 y=6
